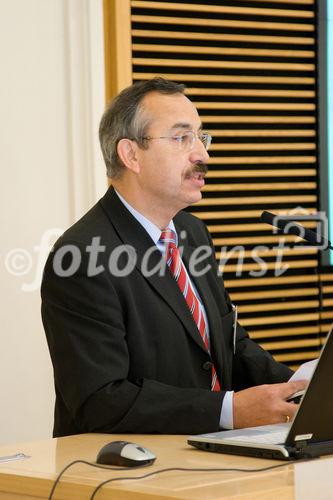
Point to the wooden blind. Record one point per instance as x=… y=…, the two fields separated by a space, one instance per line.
x=250 y=68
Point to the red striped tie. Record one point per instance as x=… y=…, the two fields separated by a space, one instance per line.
x=175 y=263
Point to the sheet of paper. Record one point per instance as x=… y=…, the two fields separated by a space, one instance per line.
x=305 y=371
x=11 y=458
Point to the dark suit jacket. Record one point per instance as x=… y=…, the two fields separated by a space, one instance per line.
x=126 y=352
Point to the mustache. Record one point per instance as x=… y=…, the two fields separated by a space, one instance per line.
x=197 y=167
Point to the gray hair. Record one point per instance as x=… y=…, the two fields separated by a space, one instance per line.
x=126 y=118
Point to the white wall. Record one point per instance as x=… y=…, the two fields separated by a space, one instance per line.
x=51 y=97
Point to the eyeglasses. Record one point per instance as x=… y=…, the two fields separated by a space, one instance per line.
x=185 y=142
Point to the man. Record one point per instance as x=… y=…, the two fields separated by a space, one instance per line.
x=138 y=345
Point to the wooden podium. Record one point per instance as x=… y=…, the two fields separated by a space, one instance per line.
x=32 y=478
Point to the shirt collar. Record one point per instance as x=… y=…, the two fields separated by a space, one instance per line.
x=153 y=231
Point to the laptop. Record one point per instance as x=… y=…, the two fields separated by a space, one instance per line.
x=309 y=435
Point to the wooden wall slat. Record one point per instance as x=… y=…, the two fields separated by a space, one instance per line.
x=290 y=344
x=142 y=61
x=259 y=200
x=237 y=254
x=296 y=292
x=306 y=356
x=326 y=277
x=225 y=37
x=304 y=172
x=255 y=240
x=296 y=2
x=278 y=306
x=276 y=280
x=191 y=7
x=278 y=332
x=261 y=119
x=251 y=92
x=257 y=160
x=285 y=318
x=261 y=133
x=256 y=106
x=193 y=49
x=242 y=214
x=288 y=146
x=237 y=24
x=272 y=266
x=302 y=80
x=276 y=186
x=260 y=226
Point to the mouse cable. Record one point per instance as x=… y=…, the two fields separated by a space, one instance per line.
x=182 y=469
x=85 y=462
x=219 y=469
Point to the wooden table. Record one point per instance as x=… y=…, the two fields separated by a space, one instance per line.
x=33 y=478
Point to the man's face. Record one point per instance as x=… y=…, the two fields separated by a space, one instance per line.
x=170 y=175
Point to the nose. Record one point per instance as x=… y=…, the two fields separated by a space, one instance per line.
x=199 y=152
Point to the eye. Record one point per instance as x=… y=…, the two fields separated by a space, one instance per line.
x=185 y=139
x=178 y=139
x=203 y=138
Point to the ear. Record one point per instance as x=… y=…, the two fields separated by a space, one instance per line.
x=127 y=152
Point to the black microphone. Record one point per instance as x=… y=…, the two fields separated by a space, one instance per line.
x=288 y=226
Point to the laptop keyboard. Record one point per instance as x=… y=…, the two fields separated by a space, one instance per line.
x=278 y=437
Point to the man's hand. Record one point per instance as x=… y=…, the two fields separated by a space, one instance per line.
x=265 y=404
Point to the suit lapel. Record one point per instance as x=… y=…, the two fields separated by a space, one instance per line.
x=132 y=233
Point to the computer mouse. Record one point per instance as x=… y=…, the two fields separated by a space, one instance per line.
x=125 y=454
